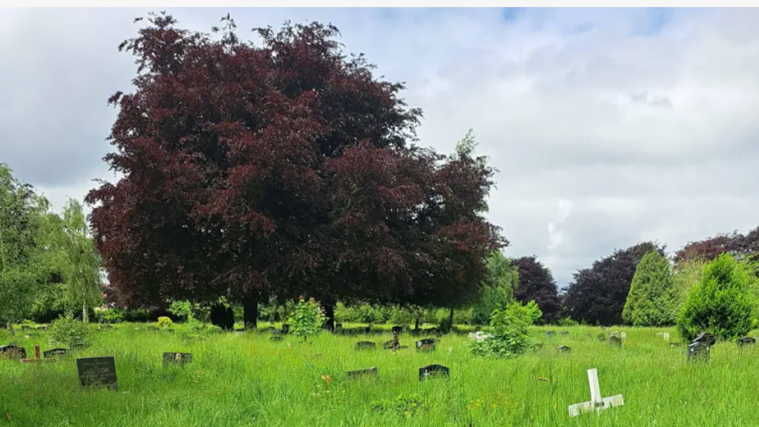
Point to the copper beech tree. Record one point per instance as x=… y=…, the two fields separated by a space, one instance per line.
x=280 y=168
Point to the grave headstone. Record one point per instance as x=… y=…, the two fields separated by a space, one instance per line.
x=97 y=372
x=55 y=352
x=366 y=345
x=705 y=338
x=698 y=351
x=596 y=401
x=172 y=358
x=387 y=345
x=397 y=329
x=286 y=328
x=746 y=341
x=367 y=329
x=12 y=352
x=363 y=373
x=615 y=341
x=550 y=333
x=429 y=371
x=665 y=336
x=623 y=335
x=563 y=349
x=425 y=345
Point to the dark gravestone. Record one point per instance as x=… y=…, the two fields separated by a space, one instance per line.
x=704 y=338
x=276 y=338
x=433 y=371
x=366 y=345
x=425 y=345
x=285 y=328
x=363 y=373
x=615 y=341
x=12 y=352
x=97 y=372
x=746 y=341
x=181 y=359
x=601 y=337
x=367 y=329
x=56 y=352
x=563 y=349
x=698 y=352
x=223 y=317
x=397 y=329
x=550 y=333
x=565 y=333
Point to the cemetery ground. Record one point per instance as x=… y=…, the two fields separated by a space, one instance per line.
x=246 y=379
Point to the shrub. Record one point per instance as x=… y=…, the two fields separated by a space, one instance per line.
x=69 y=332
x=181 y=309
x=509 y=337
x=721 y=303
x=108 y=315
x=165 y=322
x=652 y=298
x=307 y=319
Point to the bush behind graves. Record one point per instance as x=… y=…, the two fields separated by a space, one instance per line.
x=307 y=319
x=721 y=303
x=652 y=298
x=69 y=332
x=509 y=337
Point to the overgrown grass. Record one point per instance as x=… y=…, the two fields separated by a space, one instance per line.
x=244 y=379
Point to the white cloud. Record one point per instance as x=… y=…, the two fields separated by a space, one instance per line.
x=639 y=136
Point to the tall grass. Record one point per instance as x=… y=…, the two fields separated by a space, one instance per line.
x=243 y=379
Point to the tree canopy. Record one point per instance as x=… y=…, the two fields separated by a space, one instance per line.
x=283 y=168
x=652 y=300
x=536 y=283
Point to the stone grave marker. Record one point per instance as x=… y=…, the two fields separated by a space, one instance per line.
x=286 y=328
x=366 y=345
x=746 y=341
x=172 y=358
x=363 y=373
x=97 y=372
x=387 y=345
x=565 y=333
x=563 y=349
x=425 y=345
x=596 y=401
x=434 y=371
x=698 y=351
x=550 y=333
x=55 y=352
x=623 y=335
x=12 y=352
x=397 y=329
x=615 y=341
x=367 y=329
x=705 y=338
x=665 y=336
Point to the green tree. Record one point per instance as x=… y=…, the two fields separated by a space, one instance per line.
x=686 y=276
x=722 y=303
x=77 y=259
x=22 y=256
x=497 y=290
x=651 y=300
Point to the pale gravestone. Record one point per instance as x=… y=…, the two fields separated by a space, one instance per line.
x=433 y=371
x=363 y=373
x=97 y=371
x=698 y=351
x=596 y=401
x=623 y=335
x=563 y=349
x=365 y=345
x=172 y=358
x=615 y=341
x=665 y=335
x=425 y=345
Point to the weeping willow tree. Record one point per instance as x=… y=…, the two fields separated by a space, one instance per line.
x=77 y=259
x=497 y=290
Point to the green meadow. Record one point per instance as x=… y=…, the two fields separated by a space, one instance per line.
x=245 y=379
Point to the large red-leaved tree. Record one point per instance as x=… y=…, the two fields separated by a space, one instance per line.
x=283 y=168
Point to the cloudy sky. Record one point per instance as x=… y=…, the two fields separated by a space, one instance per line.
x=608 y=126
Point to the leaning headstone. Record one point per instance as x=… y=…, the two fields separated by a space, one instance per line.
x=387 y=345
x=12 y=352
x=97 y=372
x=563 y=349
x=746 y=341
x=705 y=338
x=698 y=351
x=615 y=341
x=433 y=371
x=397 y=329
x=172 y=358
x=55 y=352
x=425 y=345
x=366 y=345
x=363 y=373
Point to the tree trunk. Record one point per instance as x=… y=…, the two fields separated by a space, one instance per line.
x=329 y=311
x=449 y=326
x=250 y=311
x=416 y=324
x=10 y=328
x=85 y=318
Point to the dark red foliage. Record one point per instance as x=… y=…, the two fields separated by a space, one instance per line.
x=536 y=283
x=709 y=249
x=282 y=169
x=597 y=295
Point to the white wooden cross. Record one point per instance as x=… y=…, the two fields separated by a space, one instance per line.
x=596 y=401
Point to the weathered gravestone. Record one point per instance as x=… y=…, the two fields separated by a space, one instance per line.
x=698 y=351
x=12 y=352
x=746 y=341
x=705 y=338
x=601 y=337
x=172 y=358
x=366 y=345
x=623 y=335
x=425 y=345
x=665 y=336
x=363 y=373
x=55 y=352
x=286 y=328
x=367 y=329
x=563 y=349
x=550 y=333
x=434 y=371
x=97 y=372
x=397 y=329
x=387 y=345
x=615 y=341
